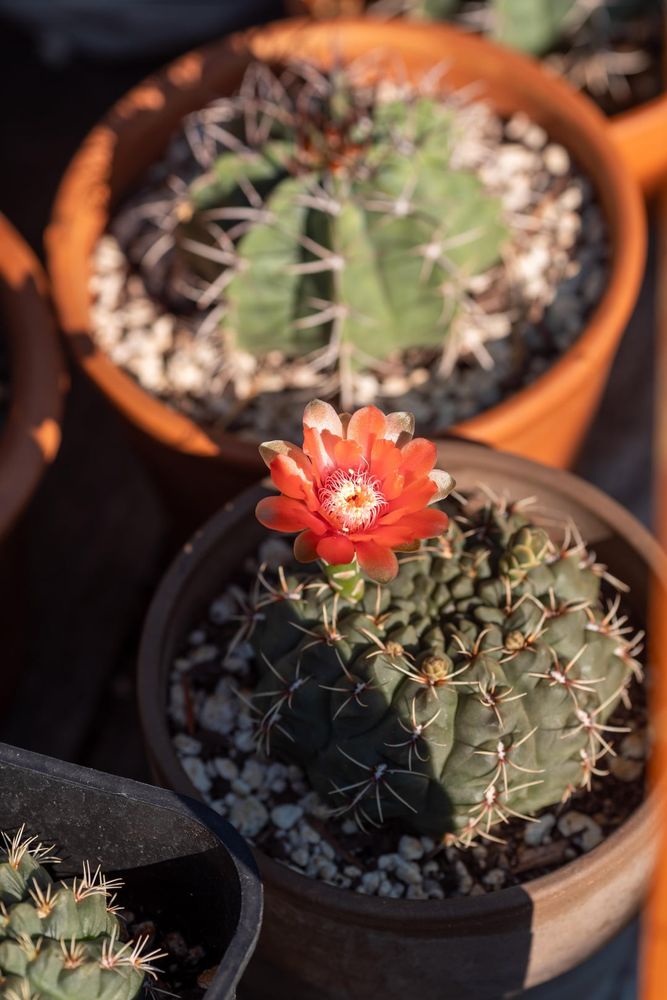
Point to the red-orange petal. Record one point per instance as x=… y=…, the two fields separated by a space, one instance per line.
x=366 y=426
x=422 y=524
x=385 y=460
x=415 y=497
x=286 y=514
x=335 y=549
x=417 y=458
x=319 y=449
x=348 y=454
x=305 y=546
x=289 y=478
x=376 y=561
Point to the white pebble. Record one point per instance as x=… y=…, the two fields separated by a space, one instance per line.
x=625 y=769
x=186 y=744
x=244 y=741
x=253 y=773
x=370 y=882
x=226 y=768
x=387 y=862
x=556 y=159
x=582 y=828
x=285 y=816
x=494 y=878
x=466 y=880
x=410 y=848
x=408 y=872
x=248 y=816
x=633 y=746
x=300 y=856
x=196 y=771
x=309 y=835
x=536 y=833
x=219 y=713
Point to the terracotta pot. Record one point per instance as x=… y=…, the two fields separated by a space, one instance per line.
x=30 y=433
x=322 y=943
x=546 y=420
x=655 y=921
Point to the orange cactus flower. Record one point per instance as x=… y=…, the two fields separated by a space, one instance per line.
x=360 y=487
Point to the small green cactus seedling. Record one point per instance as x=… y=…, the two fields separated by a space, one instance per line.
x=330 y=215
x=62 y=941
x=472 y=682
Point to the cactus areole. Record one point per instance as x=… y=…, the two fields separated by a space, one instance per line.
x=450 y=673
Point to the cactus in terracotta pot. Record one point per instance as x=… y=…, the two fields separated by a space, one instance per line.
x=449 y=673
x=332 y=215
x=62 y=940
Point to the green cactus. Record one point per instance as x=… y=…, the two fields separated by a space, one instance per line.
x=475 y=687
x=533 y=26
x=61 y=941
x=329 y=216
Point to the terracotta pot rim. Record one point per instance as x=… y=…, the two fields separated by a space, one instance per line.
x=355 y=907
x=31 y=436
x=91 y=166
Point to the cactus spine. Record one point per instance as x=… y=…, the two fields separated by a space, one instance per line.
x=62 y=941
x=476 y=686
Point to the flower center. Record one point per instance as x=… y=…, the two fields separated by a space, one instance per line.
x=352 y=500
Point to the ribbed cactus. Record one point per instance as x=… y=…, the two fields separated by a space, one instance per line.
x=474 y=687
x=62 y=941
x=330 y=216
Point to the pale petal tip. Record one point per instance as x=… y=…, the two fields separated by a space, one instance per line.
x=444 y=484
x=400 y=427
x=322 y=417
x=269 y=449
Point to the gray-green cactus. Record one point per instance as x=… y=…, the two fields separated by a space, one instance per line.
x=62 y=941
x=475 y=687
x=330 y=216
x=533 y=26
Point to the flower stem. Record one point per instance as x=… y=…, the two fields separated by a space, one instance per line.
x=346 y=580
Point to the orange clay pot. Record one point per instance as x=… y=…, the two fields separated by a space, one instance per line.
x=544 y=421
x=655 y=922
x=30 y=432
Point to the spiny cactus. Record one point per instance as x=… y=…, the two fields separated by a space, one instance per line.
x=61 y=941
x=331 y=216
x=474 y=687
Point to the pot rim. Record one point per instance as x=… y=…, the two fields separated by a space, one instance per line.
x=420 y=914
x=86 y=182
x=38 y=381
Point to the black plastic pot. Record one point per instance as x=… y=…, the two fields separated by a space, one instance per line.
x=180 y=862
